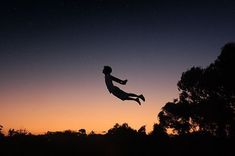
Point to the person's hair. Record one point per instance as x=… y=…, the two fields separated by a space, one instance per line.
x=107 y=70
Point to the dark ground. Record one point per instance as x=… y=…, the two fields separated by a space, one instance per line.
x=72 y=144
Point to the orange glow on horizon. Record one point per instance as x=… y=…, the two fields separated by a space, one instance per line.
x=59 y=107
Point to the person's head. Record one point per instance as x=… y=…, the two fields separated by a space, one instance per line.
x=107 y=70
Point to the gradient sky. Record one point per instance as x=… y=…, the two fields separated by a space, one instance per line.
x=52 y=55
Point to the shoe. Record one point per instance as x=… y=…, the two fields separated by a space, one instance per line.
x=142 y=97
x=137 y=100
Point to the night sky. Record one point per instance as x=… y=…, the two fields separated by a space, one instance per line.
x=52 y=55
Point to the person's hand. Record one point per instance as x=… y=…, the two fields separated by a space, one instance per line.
x=124 y=82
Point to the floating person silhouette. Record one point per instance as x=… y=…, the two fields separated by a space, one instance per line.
x=117 y=91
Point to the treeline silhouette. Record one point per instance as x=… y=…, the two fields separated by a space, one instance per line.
x=119 y=140
x=200 y=122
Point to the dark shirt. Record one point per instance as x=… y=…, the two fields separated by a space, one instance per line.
x=109 y=82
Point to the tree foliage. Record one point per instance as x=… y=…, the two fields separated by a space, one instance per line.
x=206 y=100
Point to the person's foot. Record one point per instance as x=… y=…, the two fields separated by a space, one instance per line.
x=142 y=97
x=138 y=100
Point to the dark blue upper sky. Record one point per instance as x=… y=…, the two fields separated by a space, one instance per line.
x=74 y=35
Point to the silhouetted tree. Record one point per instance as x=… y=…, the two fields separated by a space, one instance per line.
x=82 y=132
x=175 y=115
x=1 y=128
x=158 y=131
x=207 y=98
x=1 y=134
x=92 y=133
x=142 y=130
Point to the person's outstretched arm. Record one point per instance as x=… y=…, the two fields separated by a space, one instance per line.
x=123 y=82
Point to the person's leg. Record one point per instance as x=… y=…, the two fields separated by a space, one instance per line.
x=135 y=95
x=125 y=96
x=132 y=95
x=134 y=99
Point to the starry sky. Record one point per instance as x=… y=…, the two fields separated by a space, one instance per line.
x=52 y=55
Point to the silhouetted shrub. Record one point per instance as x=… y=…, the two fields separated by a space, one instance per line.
x=1 y=134
x=20 y=132
x=159 y=132
x=142 y=131
x=122 y=131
